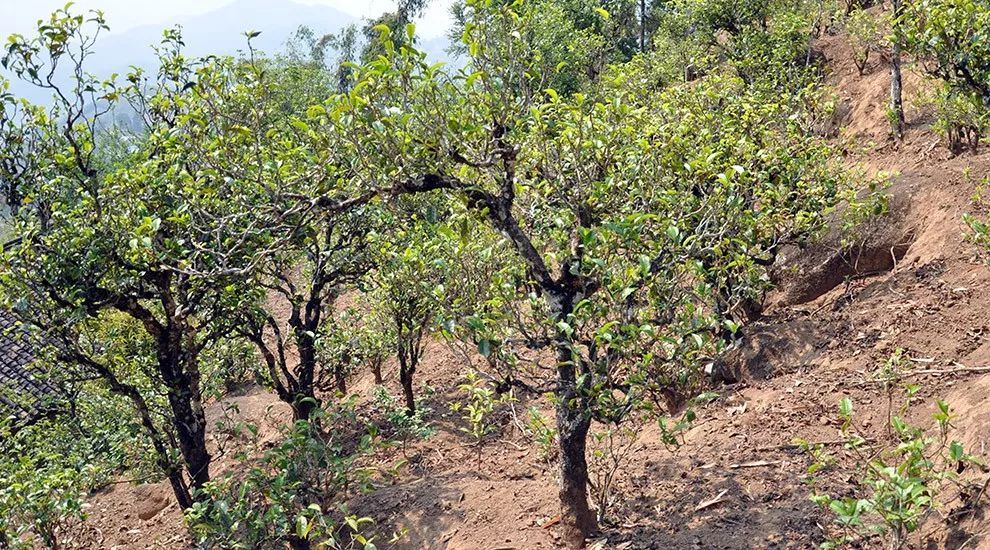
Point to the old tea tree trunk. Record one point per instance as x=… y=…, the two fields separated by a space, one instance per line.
x=562 y=292
x=573 y=423
x=333 y=251
x=178 y=343
x=896 y=99
x=410 y=323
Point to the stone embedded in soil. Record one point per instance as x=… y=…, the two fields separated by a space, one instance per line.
x=149 y=501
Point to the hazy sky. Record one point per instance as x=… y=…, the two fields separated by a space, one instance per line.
x=21 y=15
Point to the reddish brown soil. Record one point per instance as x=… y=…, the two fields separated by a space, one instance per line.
x=934 y=304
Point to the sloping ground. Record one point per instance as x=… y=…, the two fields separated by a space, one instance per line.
x=131 y=514
x=736 y=480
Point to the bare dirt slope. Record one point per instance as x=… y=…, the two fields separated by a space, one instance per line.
x=736 y=481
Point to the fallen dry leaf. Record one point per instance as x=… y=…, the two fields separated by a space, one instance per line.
x=711 y=502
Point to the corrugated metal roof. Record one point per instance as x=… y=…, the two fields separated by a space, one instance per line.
x=23 y=394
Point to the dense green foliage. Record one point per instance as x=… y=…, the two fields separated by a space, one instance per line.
x=894 y=486
x=959 y=116
x=588 y=210
x=865 y=36
x=950 y=37
x=289 y=493
x=47 y=468
x=609 y=198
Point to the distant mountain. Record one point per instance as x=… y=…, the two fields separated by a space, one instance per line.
x=218 y=32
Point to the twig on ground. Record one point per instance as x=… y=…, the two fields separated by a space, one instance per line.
x=755 y=464
x=798 y=445
x=513 y=443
